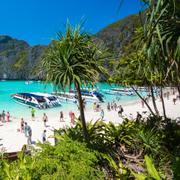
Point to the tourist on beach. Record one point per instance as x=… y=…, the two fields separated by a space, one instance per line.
x=26 y=129
x=94 y=106
x=33 y=114
x=174 y=101
x=44 y=136
x=61 y=116
x=102 y=114
x=98 y=107
x=115 y=106
x=29 y=138
x=3 y=116
x=120 y=111
x=108 y=107
x=168 y=93
x=8 y=116
x=138 y=117
x=112 y=105
x=70 y=114
x=45 y=119
x=22 y=125
x=73 y=118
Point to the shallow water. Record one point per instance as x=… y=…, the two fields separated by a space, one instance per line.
x=10 y=87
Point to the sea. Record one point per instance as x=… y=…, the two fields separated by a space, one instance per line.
x=7 y=88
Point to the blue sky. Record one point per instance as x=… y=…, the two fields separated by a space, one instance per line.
x=38 y=21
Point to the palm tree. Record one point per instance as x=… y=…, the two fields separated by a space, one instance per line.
x=74 y=59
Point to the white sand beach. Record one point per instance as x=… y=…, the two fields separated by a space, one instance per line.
x=12 y=139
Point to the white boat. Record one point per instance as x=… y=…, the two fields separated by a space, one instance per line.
x=36 y=99
x=65 y=97
x=89 y=96
x=120 y=91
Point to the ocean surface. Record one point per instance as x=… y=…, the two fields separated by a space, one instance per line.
x=10 y=87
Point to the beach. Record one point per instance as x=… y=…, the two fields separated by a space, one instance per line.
x=12 y=139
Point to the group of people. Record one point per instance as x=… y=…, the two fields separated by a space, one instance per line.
x=112 y=106
x=96 y=107
x=5 y=116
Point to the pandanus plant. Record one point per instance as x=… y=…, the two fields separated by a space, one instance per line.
x=74 y=59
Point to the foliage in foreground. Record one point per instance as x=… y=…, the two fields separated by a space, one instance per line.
x=134 y=147
x=131 y=150
x=67 y=160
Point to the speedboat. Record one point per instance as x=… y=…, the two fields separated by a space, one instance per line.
x=65 y=97
x=36 y=99
x=89 y=95
x=120 y=92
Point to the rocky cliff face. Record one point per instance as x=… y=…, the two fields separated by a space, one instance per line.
x=117 y=35
x=18 y=59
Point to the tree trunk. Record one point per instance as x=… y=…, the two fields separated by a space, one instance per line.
x=143 y=101
x=163 y=105
x=154 y=101
x=81 y=109
x=178 y=87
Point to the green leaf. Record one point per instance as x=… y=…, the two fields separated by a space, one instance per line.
x=139 y=176
x=151 y=168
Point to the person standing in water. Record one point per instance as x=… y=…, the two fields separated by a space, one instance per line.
x=33 y=114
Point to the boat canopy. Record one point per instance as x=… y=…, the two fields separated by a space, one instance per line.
x=32 y=95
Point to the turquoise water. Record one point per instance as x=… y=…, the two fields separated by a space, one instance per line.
x=10 y=87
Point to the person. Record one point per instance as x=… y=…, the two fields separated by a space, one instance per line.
x=112 y=105
x=22 y=125
x=168 y=94
x=29 y=138
x=26 y=129
x=94 y=106
x=102 y=114
x=61 y=116
x=70 y=115
x=33 y=114
x=73 y=117
x=120 y=111
x=115 y=106
x=174 y=101
x=97 y=107
x=45 y=119
x=138 y=117
x=108 y=106
x=8 y=116
x=44 y=136
x=3 y=116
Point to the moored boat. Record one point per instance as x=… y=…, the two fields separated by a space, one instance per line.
x=38 y=100
x=120 y=91
x=65 y=97
x=90 y=95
